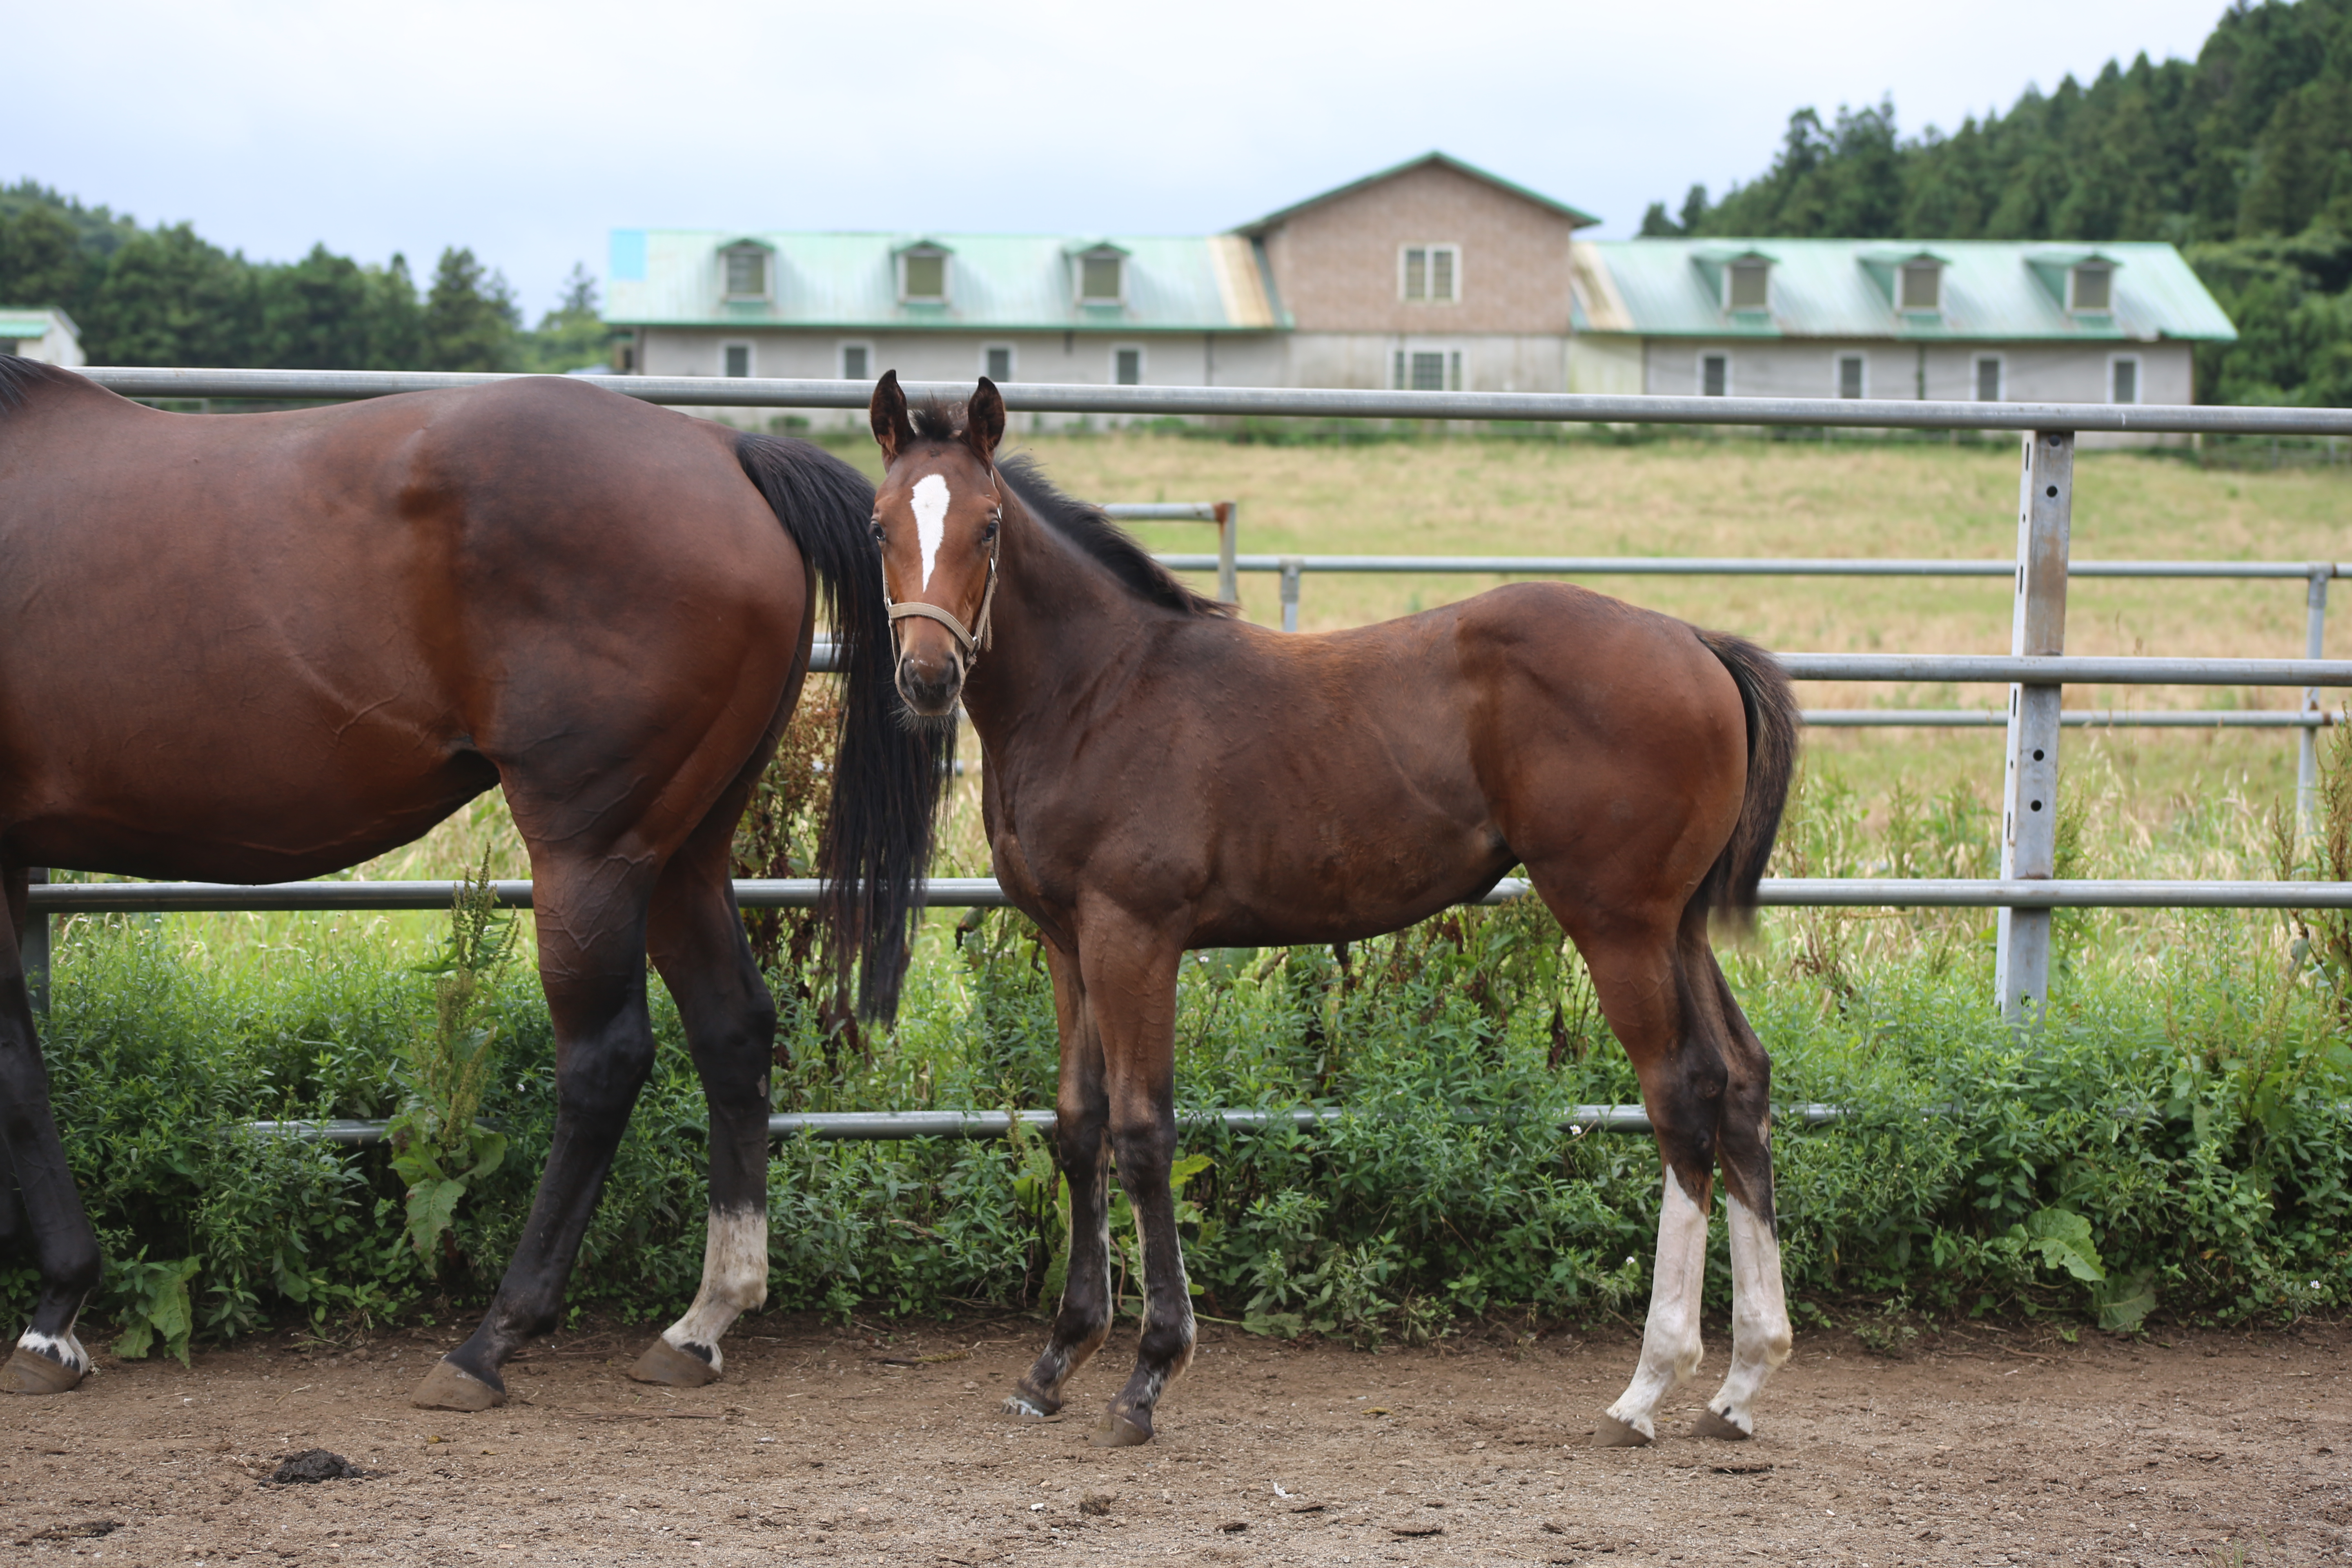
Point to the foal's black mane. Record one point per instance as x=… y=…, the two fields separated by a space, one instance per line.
x=19 y=375
x=1082 y=525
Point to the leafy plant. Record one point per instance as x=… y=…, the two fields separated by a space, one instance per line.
x=150 y=1302
x=439 y=1150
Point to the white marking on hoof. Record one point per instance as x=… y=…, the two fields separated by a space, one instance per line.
x=930 y=501
x=734 y=1280
x=1760 y=1316
x=65 y=1349
x=1670 y=1348
x=1017 y=1405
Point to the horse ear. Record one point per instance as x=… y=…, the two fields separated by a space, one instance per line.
x=983 y=420
x=893 y=431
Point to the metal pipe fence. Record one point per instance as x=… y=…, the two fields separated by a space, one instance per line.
x=2035 y=670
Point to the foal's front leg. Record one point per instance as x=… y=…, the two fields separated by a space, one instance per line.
x=1130 y=976
x=1080 y=1128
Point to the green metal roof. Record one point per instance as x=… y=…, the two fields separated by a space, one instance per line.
x=1445 y=161
x=996 y=282
x=1845 y=289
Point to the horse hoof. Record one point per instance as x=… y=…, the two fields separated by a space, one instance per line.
x=449 y=1386
x=1026 y=1401
x=29 y=1372
x=1117 y=1431
x=1711 y=1425
x=664 y=1363
x=1612 y=1432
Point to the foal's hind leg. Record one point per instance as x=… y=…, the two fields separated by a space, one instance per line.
x=697 y=941
x=1081 y=1124
x=1760 y=1313
x=47 y=1358
x=1642 y=984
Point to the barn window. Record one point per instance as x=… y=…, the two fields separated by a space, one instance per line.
x=1747 y=286
x=1989 y=378
x=923 y=277
x=1126 y=366
x=1430 y=274
x=1923 y=286
x=996 y=362
x=747 y=272
x=735 y=359
x=856 y=362
x=2092 y=287
x=1852 y=376
x=1714 y=376
x=2123 y=379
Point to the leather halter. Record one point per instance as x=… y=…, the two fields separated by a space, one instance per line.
x=972 y=640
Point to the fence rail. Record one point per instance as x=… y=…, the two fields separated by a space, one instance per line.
x=985 y=893
x=867 y=1125
x=1292 y=403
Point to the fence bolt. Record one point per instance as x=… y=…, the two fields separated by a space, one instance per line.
x=2028 y=839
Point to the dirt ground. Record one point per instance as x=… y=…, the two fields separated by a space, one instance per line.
x=822 y=1445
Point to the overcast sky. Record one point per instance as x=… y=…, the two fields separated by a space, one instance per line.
x=528 y=130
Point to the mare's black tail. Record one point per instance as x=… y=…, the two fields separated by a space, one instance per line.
x=1773 y=717
x=888 y=772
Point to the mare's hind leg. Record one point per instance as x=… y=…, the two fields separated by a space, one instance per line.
x=698 y=943
x=1759 y=1312
x=1643 y=980
x=590 y=913
x=1081 y=1130
x=47 y=1358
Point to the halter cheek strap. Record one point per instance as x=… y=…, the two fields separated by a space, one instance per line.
x=973 y=640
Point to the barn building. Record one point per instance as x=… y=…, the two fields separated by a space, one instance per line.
x=1959 y=321
x=41 y=332
x=1432 y=275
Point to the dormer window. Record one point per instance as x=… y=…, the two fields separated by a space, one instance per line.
x=744 y=270
x=923 y=275
x=2091 y=287
x=1430 y=274
x=1747 y=286
x=1921 y=285
x=1102 y=279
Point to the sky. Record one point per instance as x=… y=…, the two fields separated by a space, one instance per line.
x=530 y=131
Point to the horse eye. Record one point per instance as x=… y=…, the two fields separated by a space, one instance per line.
x=880 y=537
x=988 y=533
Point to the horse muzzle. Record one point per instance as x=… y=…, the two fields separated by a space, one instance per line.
x=930 y=680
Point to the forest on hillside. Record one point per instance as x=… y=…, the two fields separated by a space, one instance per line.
x=167 y=296
x=2242 y=157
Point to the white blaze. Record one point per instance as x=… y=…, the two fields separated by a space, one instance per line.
x=931 y=519
x=1670 y=1340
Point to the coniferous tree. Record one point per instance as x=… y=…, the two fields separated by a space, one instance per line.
x=470 y=319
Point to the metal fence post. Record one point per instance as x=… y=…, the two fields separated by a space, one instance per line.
x=1291 y=566
x=2315 y=635
x=2029 y=817
x=32 y=948
x=1229 y=527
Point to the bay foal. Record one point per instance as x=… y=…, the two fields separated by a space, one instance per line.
x=1160 y=776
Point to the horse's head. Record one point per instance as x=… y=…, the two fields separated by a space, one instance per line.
x=937 y=516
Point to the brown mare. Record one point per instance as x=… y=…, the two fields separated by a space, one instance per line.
x=1160 y=776
x=253 y=647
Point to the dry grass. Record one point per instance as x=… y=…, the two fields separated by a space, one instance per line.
x=1728 y=497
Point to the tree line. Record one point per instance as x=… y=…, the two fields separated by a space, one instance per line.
x=166 y=296
x=2242 y=157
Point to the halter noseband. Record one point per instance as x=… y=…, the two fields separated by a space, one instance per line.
x=973 y=640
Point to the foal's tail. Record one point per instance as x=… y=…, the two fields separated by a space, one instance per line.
x=1773 y=717
x=887 y=773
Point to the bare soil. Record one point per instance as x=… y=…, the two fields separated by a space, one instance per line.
x=1973 y=1445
